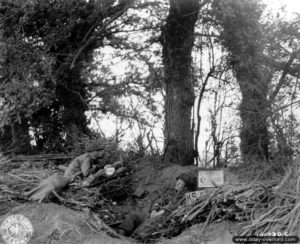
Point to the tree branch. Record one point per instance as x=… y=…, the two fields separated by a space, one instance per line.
x=199 y=104
x=92 y=38
x=283 y=76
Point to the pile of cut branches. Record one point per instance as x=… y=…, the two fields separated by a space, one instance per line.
x=15 y=181
x=227 y=203
x=282 y=213
x=100 y=195
x=263 y=207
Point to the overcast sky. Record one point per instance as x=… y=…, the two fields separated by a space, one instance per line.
x=291 y=5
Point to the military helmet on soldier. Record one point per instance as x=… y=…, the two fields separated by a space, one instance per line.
x=93 y=146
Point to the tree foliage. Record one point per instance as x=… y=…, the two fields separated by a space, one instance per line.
x=66 y=64
x=63 y=34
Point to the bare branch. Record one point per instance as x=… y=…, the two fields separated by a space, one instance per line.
x=282 y=79
x=199 y=104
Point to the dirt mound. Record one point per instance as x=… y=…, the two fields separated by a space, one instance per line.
x=57 y=224
x=216 y=233
x=157 y=179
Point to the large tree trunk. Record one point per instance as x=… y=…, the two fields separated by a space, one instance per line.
x=71 y=93
x=253 y=111
x=242 y=37
x=73 y=116
x=178 y=40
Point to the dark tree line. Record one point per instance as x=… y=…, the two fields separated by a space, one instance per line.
x=64 y=35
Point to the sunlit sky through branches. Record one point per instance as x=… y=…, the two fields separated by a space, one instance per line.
x=291 y=6
x=108 y=124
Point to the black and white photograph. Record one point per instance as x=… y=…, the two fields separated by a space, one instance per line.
x=149 y=121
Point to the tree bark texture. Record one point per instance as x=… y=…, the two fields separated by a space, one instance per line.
x=253 y=112
x=242 y=37
x=178 y=40
x=72 y=94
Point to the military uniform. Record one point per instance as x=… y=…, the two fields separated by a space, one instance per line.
x=169 y=201
x=137 y=224
x=132 y=221
x=80 y=165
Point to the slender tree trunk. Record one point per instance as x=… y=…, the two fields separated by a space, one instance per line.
x=202 y=91
x=178 y=40
x=2 y=50
x=20 y=137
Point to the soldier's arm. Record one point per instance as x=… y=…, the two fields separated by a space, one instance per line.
x=85 y=166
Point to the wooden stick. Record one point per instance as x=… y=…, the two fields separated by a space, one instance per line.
x=39 y=157
x=64 y=201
